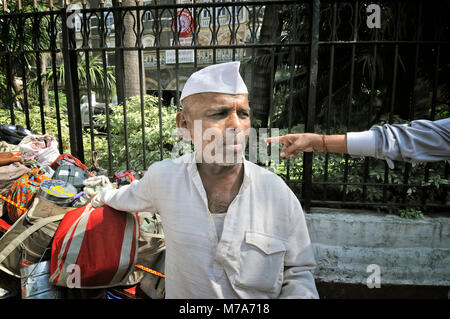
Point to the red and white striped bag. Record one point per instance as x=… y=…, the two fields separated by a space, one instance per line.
x=94 y=248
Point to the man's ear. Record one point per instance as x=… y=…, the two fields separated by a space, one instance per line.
x=182 y=125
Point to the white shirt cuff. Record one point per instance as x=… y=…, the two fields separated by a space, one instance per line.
x=361 y=143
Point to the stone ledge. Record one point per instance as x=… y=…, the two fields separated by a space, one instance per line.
x=408 y=251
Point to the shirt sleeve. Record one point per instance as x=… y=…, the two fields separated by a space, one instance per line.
x=419 y=141
x=135 y=197
x=299 y=261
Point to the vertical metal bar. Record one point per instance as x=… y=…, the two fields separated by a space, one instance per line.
x=36 y=38
x=9 y=75
x=445 y=187
x=105 y=89
x=330 y=95
x=291 y=101
x=120 y=78
x=233 y=33
x=433 y=112
x=125 y=117
x=394 y=88
x=432 y=116
x=214 y=34
x=435 y=83
x=372 y=98
x=53 y=18
x=118 y=31
x=9 y=87
x=24 y=72
x=72 y=88
x=312 y=90
x=252 y=91
x=176 y=41
x=272 y=77
x=158 y=73
x=141 y=85
x=413 y=96
x=350 y=99
x=196 y=24
x=405 y=182
x=85 y=35
x=416 y=60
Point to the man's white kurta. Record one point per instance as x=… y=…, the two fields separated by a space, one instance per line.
x=265 y=249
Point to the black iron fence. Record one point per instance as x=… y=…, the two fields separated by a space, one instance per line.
x=82 y=72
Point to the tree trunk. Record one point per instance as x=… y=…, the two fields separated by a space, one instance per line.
x=130 y=61
x=261 y=95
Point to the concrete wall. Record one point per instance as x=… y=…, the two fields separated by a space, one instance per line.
x=408 y=251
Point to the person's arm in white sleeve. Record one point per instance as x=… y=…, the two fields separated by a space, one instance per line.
x=299 y=261
x=421 y=141
x=135 y=197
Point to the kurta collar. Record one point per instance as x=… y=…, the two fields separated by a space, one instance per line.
x=194 y=174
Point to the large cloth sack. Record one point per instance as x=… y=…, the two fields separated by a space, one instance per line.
x=23 y=191
x=41 y=148
x=30 y=235
x=97 y=245
x=8 y=175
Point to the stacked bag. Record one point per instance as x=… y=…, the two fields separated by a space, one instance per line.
x=53 y=240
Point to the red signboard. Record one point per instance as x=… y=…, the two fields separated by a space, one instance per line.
x=184 y=23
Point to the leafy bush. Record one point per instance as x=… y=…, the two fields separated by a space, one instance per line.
x=376 y=175
x=151 y=116
x=411 y=213
x=49 y=116
x=134 y=127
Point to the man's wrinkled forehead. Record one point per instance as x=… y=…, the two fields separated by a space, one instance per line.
x=209 y=100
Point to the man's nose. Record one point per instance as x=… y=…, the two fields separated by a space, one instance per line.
x=233 y=121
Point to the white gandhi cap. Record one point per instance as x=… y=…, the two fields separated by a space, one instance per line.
x=217 y=78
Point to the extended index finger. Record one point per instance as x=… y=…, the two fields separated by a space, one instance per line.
x=282 y=139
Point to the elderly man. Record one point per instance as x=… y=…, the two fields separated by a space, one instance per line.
x=233 y=229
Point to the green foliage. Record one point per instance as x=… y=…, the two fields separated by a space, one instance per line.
x=442 y=111
x=49 y=117
x=411 y=213
x=134 y=136
x=22 y=32
x=96 y=73
x=134 y=126
x=376 y=175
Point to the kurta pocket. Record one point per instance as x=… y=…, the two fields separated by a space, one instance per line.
x=261 y=261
